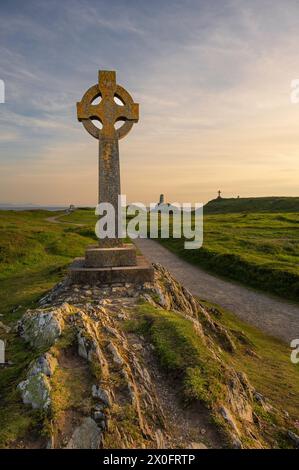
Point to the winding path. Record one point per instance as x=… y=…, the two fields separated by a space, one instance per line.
x=55 y=219
x=271 y=314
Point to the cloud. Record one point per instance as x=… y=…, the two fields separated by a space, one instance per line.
x=8 y=136
x=212 y=80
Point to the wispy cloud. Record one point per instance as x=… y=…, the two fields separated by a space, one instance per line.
x=212 y=80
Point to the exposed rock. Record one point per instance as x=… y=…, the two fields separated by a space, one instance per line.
x=216 y=329
x=102 y=394
x=169 y=293
x=197 y=445
x=41 y=328
x=239 y=396
x=226 y=414
x=35 y=391
x=261 y=400
x=89 y=346
x=236 y=443
x=123 y=389
x=86 y=436
x=122 y=316
x=99 y=415
x=117 y=359
x=159 y=439
x=45 y=364
x=294 y=438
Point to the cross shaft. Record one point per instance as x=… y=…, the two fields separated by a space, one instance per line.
x=108 y=112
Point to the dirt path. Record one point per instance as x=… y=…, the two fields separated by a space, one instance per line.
x=56 y=220
x=271 y=314
x=187 y=426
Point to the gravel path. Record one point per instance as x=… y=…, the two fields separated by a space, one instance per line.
x=56 y=220
x=273 y=315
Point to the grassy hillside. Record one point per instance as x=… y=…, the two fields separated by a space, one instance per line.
x=252 y=204
x=180 y=352
x=258 y=249
x=34 y=254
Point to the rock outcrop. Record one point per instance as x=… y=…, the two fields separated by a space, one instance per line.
x=121 y=407
x=86 y=436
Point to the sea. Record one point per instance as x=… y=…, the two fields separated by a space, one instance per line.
x=12 y=207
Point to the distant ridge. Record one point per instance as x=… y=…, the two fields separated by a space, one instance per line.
x=252 y=204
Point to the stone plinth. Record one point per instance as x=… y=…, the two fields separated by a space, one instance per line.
x=142 y=272
x=111 y=265
x=95 y=256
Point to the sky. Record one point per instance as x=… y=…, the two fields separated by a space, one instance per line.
x=213 y=80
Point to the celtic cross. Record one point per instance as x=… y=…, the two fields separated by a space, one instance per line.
x=108 y=112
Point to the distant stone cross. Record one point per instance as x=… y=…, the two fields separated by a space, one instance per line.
x=219 y=194
x=108 y=112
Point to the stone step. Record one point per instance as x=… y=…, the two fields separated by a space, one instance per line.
x=142 y=272
x=96 y=256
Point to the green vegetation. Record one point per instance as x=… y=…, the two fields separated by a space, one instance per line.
x=266 y=361
x=252 y=204
x=34 y=255
x=126 y=418
x=180 y=350
x=257 y=249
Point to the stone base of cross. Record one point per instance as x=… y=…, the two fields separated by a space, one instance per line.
x=111 y=260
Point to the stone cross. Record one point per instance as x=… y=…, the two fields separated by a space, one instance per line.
x=219 y=194
x=108 y=112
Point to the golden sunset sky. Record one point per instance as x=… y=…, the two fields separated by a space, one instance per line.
x=213 y=80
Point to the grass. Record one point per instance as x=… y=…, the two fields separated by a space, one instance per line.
x=257 y=249
x=269 y=369
x=253 y=204
x=260 y=249
x=34 y=255
x=183 y=354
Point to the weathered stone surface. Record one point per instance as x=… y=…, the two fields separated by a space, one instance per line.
x=123 y=387
x=294 y=438
x=97 y=257
x=99 y=415
x=108 y=112
x=86 y=436
x=41 y=328
x=142 y=272
x=169 y=293
x=111 y=262
x=35 y=391
x=117 y=359
x=102 y=394
x=228 y=418
x=197 y=445
x=45 y=364
x=239 y=396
